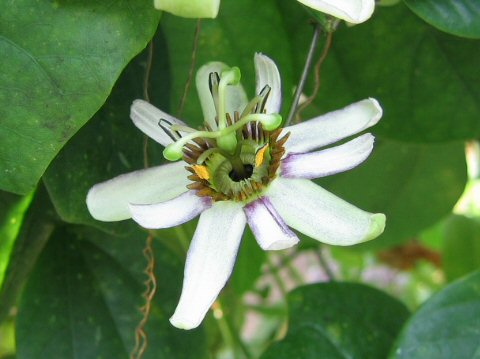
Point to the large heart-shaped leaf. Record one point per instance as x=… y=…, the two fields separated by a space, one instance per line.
x=87 y=288
x=59 y=62
x=339 y=320
x=110 y=144
x=459 y=17
x=446 y=326
x=425 y=80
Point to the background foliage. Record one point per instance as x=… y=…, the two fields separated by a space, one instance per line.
x=71 y=287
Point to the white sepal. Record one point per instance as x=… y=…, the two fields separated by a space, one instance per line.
x=210 y=261
x=170 y=213
x=147 y=118
x=109 y=201
x=321 y=215
x=267 y=74
x=328 y=161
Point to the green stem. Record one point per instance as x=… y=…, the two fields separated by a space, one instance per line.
x=226 y=334
x=274 y=271
x=324 y=264
x=291 y=268
x=233 y=334
x=303 y=78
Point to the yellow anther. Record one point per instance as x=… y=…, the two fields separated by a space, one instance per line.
x=201 y=171
x=260 y=156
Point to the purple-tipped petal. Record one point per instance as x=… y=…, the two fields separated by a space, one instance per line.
x=329 y=161
x=333 y=126
x=269 y=229
x=171 y=213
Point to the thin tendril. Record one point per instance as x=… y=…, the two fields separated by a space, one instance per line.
x=303 y=78
x=141 y=338
x=146 y=96
x=318 y=65
x=192 y=67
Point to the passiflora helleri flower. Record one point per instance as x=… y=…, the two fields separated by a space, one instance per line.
x=241 y=168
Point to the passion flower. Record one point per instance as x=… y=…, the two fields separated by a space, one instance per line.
x=241 y=167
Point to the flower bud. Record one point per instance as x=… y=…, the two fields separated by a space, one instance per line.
x=189 y=8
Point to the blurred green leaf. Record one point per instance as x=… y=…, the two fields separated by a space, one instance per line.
x=461 y=252
x=37 y=226
x=458 y=17
x=414 y=185
x=339 y=320
x=241 y=29
x=425 y=80
x=446 y=326
x=110 y=144
x=12 y=210
x=59 y=60
x=87 y=289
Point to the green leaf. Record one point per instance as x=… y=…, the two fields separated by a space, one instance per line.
x=446 y=326
x=425 y=80
x=36 y=228
x=461 y=252
x=59 y=60
x=457 y=17
x=83 y=300
x=12 y=210
x=232 y=40
x=339 y=320
x=110 y=144
x=414 y=185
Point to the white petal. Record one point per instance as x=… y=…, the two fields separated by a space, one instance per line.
x=170 y=213
x=333 y=126
x=354 y=11
x=236 y=98
x=329 y=161
x=267 y=74
x=189 y=8
x=321 y=215
x=146 y=117
x=269 y=229
x=210 y=261
x=109 y=201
